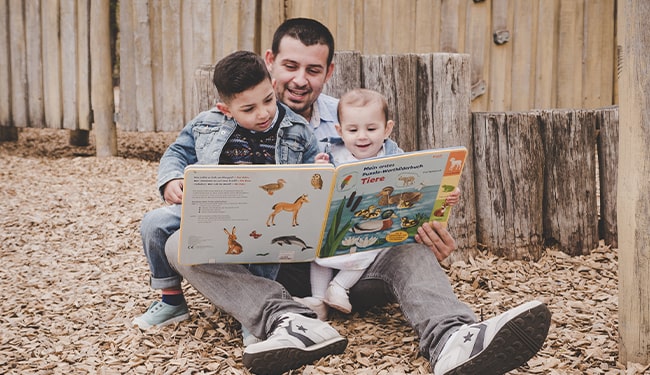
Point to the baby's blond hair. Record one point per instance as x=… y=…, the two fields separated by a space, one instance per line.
x=362 y=98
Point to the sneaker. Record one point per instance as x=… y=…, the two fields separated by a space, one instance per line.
x=296 y=341
x=316 y=304
x=160 y=314
x=337 y=297
x=497 y=345
x=248 y=338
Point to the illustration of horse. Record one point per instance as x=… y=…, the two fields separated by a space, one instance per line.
x=290 y=207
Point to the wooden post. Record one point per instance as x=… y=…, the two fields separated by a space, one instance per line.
x=634 y=185
x=103 y=103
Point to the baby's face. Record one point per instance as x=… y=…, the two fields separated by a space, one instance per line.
x=363 y=130
x=254 y=109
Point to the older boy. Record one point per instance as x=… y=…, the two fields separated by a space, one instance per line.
x=247 y=126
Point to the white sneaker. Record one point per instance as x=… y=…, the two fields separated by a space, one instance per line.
x=337 y=297
x=497 y=345
x=316 y=304
x=296 y=341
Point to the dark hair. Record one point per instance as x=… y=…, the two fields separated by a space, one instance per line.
x=237 y=73
x=308 y=31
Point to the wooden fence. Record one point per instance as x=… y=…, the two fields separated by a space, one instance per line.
x=532 y=179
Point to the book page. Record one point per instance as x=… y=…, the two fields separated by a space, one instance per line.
x=253 y=213
x=380 y=202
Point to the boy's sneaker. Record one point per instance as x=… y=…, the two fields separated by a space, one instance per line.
x=160 y=314
x=497 y=345
x=296 y=340
x=337 y=297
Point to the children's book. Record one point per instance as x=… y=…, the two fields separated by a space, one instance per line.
x=295 y=213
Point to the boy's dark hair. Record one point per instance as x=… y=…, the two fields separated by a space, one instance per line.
x=237 y=73
x=308 y=31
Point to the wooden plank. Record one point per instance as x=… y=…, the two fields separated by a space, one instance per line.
x=145 y=120
x=593 y=42
x=102 y=79
x=189 y=65
x=546 y=54
x=478 y=47
x=449 y=26
x=69 y=67
x=568 y=83
x=5 y=87
x=34 y=60
x=127 y=112
x=172 y=101
x=18 y=64
x=523 y=63
x=372 y=40
x=608 y=53
x=570 y=217
x=500 y=57
x=347 y=73
x=204 y=92
x=443 y=108
x=272 y=14
x=427 y=26
x=403 y=14
x=247 y=20
x=225 y=14
x=347 y=25
x=608 y=140
x=509 y=180
x=156 y=49
x=83 y=58
x=634 y=185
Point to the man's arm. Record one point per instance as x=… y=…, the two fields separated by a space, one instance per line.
x=437 y=238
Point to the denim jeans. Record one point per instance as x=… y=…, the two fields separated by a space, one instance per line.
x=256 y=302
x=409 y=275
x=156 y=227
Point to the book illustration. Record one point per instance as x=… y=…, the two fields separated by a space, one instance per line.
x=294 y=208
x=291 y=240
x=354 y=207
x=272 y=187
x=234 y=247
x=317 y=181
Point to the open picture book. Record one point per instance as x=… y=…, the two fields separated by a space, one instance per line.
x=295 y=213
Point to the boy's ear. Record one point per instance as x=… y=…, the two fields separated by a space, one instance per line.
x=223 y=107
x=339 y=130
x=389 y=128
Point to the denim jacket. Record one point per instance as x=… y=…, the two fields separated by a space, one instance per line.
x=390 y=147
x=203 y=138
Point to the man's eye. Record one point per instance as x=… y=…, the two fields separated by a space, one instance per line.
x=314 y=71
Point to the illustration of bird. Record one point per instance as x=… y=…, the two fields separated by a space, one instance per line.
x=345 y=181
x=291 y=240
x=255 y=235
x=404 y=200
x=317 y=181
x=272 y=187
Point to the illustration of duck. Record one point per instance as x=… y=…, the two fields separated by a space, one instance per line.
x=404 y=200
x=407 y=223
x=369 y=212
x=272 y=187
x=291 y=240
x=378 y=225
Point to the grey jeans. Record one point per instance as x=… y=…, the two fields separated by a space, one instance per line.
x=409 y=275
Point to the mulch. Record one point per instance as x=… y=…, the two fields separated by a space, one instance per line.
x=74 y=275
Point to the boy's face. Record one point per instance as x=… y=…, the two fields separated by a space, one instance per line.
x=253 y=109
x=364 y=129
x=300 y=72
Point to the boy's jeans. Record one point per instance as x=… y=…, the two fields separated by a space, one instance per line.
x=409 y=275
x=155 y=229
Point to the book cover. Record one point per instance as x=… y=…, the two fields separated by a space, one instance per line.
x=294 y=213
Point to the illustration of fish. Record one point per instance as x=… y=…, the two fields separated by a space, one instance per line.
x=345 y=181
x=262 y=254
x=291 y=240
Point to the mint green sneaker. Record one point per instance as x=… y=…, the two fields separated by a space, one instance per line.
x=160 y=314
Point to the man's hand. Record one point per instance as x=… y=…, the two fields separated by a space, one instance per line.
x=173 y=192
x=437 y=238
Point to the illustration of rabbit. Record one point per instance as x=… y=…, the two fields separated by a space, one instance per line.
x=234 y=247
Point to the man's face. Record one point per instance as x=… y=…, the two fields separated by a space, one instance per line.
x=300 y=72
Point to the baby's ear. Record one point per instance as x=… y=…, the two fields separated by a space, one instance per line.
x=389 y=128
x=339 y=130
x=223 y=107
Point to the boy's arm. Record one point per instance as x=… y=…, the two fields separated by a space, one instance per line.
x=178 y=155
x=322 y=158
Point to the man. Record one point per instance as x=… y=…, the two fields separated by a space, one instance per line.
x=300 y=61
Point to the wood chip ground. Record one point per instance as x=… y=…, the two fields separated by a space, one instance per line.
x=74 y=275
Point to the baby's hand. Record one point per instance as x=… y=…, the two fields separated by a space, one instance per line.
x=453 y=198
x=173 y=192
x=322 y=158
